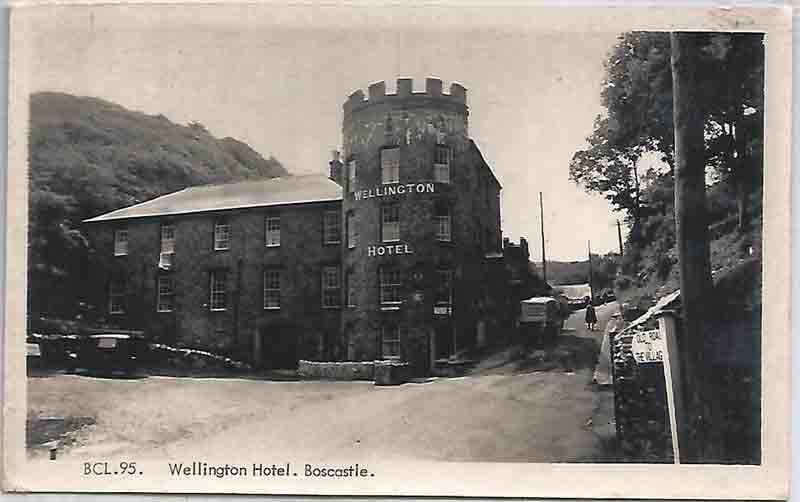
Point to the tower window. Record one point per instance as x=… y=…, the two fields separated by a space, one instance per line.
x=330 y=287
x=351 y=174
x=390 y=341
x=352 y=236
x=441 y=164
x=443 y=223
x=444 y=287
x=391 y=284
x=273 y=231
x=351 y=290
x=390 y=165
x=331 y=227
x=121 y=242
x=390 y=222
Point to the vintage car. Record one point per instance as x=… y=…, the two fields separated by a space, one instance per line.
x=110 y=352
x=542 y=317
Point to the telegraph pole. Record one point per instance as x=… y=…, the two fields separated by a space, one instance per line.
x=619 y=236
x=544 y=257
x=591 y=275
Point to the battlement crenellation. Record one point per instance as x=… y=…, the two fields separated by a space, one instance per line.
x=376 y=93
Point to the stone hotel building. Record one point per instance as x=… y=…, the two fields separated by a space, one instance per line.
x=398 y=253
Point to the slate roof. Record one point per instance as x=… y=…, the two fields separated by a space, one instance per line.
x=243 y=194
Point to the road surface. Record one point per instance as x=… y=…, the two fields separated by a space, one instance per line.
x=511 y=412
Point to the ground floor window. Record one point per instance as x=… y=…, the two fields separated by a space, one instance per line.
x=166 y=294
x=390 y=341
x=219 y=290
x=116 y=296
x=330 y=287
x=272 y=289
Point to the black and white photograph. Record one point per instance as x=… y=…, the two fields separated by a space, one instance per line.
x=384 y=249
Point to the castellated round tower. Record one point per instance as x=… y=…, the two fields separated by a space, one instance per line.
x=421 y=215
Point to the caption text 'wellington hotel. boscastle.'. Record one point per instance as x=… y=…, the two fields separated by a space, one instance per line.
x=398 y=253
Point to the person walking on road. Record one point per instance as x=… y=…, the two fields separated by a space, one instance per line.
x=591 y=317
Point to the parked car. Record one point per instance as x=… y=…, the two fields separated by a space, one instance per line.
x=111 y=352
x=578 y=303
x=608 y=296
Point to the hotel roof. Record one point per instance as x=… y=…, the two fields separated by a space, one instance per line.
x=243 y=194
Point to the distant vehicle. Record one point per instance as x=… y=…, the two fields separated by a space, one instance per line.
x=34 y=355
x=111 y=352
x=543 y=316
x=578 y=303
x=608 y=296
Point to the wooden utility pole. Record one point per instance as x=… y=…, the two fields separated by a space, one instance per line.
x=544 y=256
x=591 y=274
x=619 y=236
x=691 y=228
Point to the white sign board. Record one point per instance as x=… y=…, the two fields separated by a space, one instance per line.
x=533 y=312
x=649 y=346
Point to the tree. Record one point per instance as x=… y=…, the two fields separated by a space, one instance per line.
x=638 y=118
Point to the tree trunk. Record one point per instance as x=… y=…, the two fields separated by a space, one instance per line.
x=691 y=225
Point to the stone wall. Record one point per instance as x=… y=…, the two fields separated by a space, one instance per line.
x=346 y=370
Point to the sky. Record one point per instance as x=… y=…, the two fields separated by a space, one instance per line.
x=275 y=77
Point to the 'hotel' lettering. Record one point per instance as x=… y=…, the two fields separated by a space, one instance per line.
x=394 y=190
x=388 y=250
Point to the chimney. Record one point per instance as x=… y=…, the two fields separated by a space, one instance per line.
x=336 y=167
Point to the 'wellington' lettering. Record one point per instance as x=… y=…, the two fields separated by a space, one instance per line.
x=388 y=250
x=383 y=191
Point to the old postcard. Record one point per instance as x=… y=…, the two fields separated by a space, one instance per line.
x=436 y=249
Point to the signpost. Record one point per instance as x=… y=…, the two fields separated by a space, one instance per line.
x=660 y=346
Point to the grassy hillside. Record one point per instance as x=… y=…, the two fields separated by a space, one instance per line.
x=88 y=156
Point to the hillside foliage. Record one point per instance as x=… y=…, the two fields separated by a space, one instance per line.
x=87 y=157
x=629 y=157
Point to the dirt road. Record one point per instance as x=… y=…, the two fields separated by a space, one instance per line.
x=510 y=412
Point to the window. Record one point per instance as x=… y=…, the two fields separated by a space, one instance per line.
x=330 y=287
x=390 y=341
x=351 y=174
x=443 y=223
x=219 y=290
x=390 y=223
x=351 y=290
x=116 y=296
x=390 y=165
x=444 y=287
x=273 y=231
x=352 y=236
x=222 y=236
x=391 y=283
x=166 y=294
x=331 y=227
x=272 y=289
x=441 y=164
x=120 y=242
